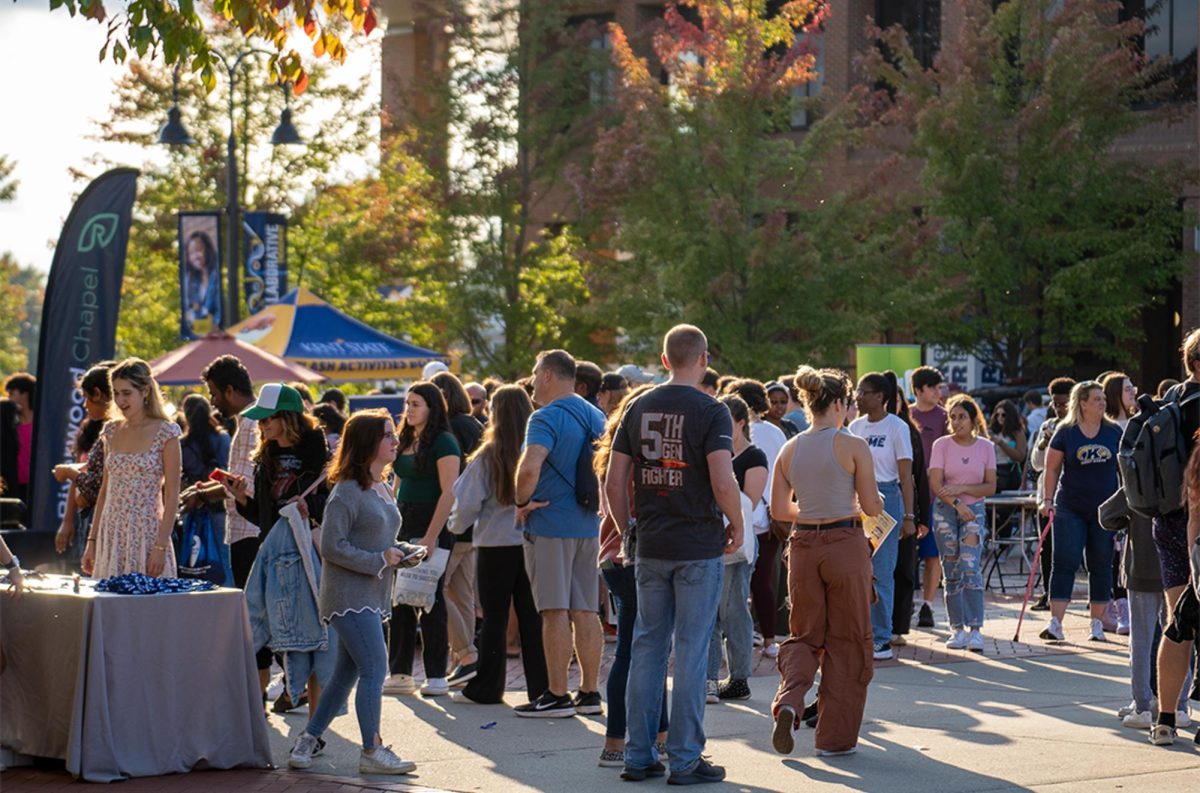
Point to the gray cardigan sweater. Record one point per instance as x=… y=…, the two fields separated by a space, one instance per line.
x=357 y=528
x=474 y=503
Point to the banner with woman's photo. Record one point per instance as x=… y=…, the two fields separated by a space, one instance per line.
x=199 y=273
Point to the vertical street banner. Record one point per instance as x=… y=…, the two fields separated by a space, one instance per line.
x=265 y=255
x=200 y=284
x=79 y=328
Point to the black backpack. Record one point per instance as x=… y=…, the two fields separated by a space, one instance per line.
x=586 y=484
x=1152 y=456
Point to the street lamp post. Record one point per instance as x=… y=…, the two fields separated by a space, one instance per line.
x=173 y=133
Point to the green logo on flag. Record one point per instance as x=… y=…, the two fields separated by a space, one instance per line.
x=98 y=232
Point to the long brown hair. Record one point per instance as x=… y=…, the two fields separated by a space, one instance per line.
x=973 y=411
x=295 y=427
x=1114 y=395
x=510 y=410
x=437 y=423
x=1191 y=478
x=357 y=448
x=605 y=441
x=137 y=373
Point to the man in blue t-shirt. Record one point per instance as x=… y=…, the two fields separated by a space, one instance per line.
x=677 y=444
x=562 y=538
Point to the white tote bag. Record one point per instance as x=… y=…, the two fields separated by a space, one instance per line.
x=417 y=586
x=748 y=551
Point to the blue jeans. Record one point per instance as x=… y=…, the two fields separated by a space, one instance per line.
x=675 y=598
x=733 y=624
x=362 y=657
x=883 y=565
x=622 y=585
x=960 y=544
x=1077 y=536
x=1147 y=613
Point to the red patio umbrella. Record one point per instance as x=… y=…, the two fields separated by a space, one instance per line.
x=184 y=365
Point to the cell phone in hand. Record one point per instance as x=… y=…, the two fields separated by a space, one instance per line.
x=419 y=553
x=220 y=475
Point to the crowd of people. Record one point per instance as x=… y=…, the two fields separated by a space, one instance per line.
x=698 y=518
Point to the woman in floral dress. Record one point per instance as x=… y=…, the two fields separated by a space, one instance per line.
x=131 y=532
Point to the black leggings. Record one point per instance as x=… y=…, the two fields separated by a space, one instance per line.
x=905 y=577
x=762 y=584
x=402 y=633
x=500 y=573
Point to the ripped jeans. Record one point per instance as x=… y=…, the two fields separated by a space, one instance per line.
x=960 y=544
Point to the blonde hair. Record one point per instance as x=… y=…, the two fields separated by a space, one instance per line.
x=1079 y=395
x=1191 y=351
x=137 y=373
x=820 y=388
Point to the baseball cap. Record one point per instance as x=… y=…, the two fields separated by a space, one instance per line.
x=634 y=374
x=275 y=398
x=432 y=368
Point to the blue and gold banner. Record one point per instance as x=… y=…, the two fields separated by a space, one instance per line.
x=264 y=251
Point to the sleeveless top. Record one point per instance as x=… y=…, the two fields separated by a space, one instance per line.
x=823 y=488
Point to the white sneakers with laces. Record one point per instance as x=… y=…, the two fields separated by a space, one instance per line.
x=958 y=641
x=1053 y=632
x=382 y=760
x=301 y=756
x=1097 y=632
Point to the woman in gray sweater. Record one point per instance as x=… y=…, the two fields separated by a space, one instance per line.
x=359 y=548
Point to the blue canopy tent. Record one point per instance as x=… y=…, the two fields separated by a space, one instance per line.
x=304 y=329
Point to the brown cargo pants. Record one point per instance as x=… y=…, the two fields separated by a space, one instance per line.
x=829 y=582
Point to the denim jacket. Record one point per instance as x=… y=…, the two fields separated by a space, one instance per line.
x=281 y=592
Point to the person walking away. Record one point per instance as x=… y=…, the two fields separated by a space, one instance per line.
x=962 y=473
x=1060 y=397
x=458 y=584
x=734 y=630
x=1175 y=537
x=824 y=480
x=891 y=447
x=135 y=512
x=933 y=422
x=484 y=498
x=617 y=570
x=358 y=551
x=21 y=388
x=426 y=467
x=677 y=443
x=1081 y=473
x=561 y=537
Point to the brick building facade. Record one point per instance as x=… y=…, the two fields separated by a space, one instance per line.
x=416 y=47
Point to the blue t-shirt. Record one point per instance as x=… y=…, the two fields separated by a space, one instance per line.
x=559 y=427
x=1089 y=469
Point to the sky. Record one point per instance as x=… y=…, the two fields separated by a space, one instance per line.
x=53 y=90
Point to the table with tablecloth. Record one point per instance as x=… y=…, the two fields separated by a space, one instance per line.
x=130 y=685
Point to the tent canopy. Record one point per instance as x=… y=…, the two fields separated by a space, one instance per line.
x=305 y=329
x=183 y=366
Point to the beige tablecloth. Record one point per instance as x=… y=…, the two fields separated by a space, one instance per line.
x=130 y=685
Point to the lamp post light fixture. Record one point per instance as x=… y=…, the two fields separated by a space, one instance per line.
x=173 y=133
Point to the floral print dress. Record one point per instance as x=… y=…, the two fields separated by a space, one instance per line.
x=133 y=508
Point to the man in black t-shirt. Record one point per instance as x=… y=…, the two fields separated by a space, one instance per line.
x=677 y=443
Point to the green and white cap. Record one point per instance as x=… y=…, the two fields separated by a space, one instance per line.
x=275 y=398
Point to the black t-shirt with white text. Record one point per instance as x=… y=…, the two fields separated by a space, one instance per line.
x=669 y=432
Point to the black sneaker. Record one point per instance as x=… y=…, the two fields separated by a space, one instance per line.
x=547 y=706
x=883 y=651
x=462 y=675
x=631 y=774
x=703 y=771
x=320 y=747
x=925 y=618
x=588 y=703
x=809 y=716
x=734 y=689
x=285 y=705
x=1043 y=604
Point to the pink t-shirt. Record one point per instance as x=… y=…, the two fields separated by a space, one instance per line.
x=24 y=451
x=963 y=465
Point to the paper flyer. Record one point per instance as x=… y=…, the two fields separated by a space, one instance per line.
x=877 y=529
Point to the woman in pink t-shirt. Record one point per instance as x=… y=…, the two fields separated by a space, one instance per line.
x=962 y=472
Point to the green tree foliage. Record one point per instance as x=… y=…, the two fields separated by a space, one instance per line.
x=721 y=212
x=1046 y=244
x=181 y=33
x=509 y=101
x=14 y=316
x=279 y=178
x=8 y=185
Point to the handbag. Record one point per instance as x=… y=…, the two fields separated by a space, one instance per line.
x=417 y=586
x=200 y=549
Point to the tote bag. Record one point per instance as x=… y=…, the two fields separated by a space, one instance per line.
x=417 y=586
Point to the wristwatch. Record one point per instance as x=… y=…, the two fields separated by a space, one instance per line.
x=15 y=563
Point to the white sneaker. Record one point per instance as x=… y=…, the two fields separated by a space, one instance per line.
x=1097 y=632
x=1183 y=719
x=302 y=753
x=711 y=695
x=958 y=641
x=435 y=687
x=771 y=650
x=1125 y=711
x=1053 y=631
x=1122 y=605
x=975 y=641
x=400 y=684
x=1162 y=735
x=384 y=761
x=1138 y=720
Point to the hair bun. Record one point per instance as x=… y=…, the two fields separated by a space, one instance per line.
x=809 y=379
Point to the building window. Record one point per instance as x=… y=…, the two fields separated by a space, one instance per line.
x=921 y=20
x=601 y=76
x=803 y=111
x=1170 y=33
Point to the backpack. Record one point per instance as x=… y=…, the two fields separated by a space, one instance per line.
x=587 y=485
x=1152 y=456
